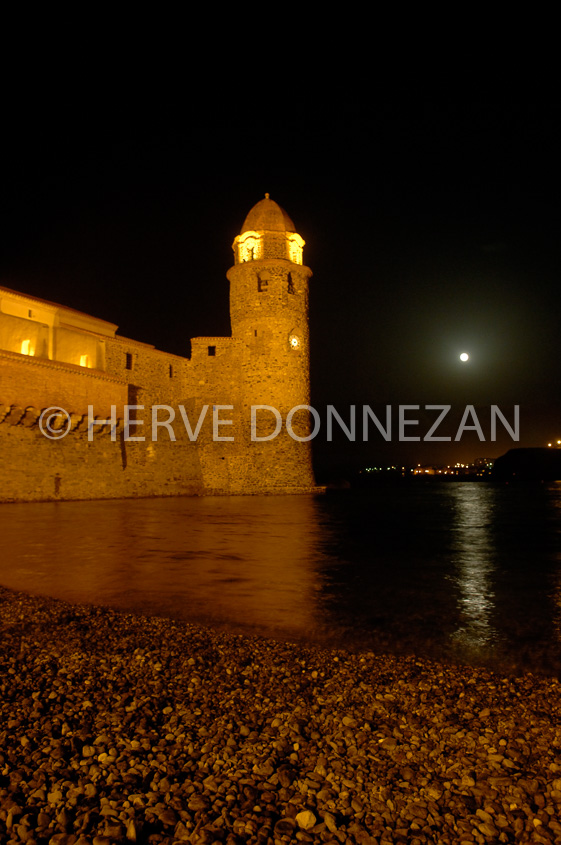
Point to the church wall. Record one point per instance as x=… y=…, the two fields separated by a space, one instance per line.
x=216 y=375
x=28 y=381
x=162 y=378
x=35 y=468
x=15 y=331
x=72 y=346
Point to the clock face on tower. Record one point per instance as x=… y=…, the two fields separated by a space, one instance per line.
x=294 y=341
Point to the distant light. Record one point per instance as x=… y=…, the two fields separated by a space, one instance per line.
x=464 y=356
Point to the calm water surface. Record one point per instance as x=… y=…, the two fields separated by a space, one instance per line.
x=454 y=571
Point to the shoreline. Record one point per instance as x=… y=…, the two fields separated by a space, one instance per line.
x=119 y=728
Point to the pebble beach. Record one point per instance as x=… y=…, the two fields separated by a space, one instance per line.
x=117 y=728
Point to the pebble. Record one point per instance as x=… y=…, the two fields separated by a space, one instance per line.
x=306 y=820
x=119 y=729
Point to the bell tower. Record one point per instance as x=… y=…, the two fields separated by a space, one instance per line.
x=269 y=316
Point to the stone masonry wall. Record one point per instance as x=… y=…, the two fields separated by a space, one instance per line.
x=35 y=468
x=27 y=381
x=163 y=378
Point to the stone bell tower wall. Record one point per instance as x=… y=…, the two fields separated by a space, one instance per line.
x=269 y=316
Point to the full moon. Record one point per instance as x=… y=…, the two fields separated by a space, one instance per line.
x=464 y=356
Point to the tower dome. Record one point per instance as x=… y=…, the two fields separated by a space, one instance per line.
x=267 y=216
x=268 y=232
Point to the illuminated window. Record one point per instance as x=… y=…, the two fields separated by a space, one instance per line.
x=250 y=247
x=26 y=347
x=128 y=361
x=84 y=361
x=295 y=245
x=212 y=351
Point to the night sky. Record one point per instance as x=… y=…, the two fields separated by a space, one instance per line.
x=431 y=228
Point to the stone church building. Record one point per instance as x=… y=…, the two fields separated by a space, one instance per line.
x=83 y=411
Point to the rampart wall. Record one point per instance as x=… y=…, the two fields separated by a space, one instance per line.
x=36 y=467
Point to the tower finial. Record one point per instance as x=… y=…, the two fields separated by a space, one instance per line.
x=266 y=196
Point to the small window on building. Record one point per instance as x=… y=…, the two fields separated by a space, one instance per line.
x=263 y=281
x=26 y=347
x=84 y=361
x=255 y=332
x=30 y=313
x=290 y=283
x=212 y=350
x=128 y=362
x=171 y=370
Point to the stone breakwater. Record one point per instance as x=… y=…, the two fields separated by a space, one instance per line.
x=116 y=728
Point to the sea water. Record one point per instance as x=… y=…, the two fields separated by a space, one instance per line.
x=454 y=571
